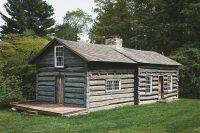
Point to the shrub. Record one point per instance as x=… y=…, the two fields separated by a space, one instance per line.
x=10 y=88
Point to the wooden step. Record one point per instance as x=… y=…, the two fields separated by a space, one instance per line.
x=33 y=112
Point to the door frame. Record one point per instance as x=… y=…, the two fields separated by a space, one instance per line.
x=60 y=76
x=161 y=87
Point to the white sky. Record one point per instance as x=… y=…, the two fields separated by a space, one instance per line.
x=61 y=7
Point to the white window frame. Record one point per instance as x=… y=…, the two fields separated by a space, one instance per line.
x=169 y=87
x=112 y=80
x=151 y=88
x=55 y=57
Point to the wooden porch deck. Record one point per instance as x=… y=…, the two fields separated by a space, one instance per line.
x=48 y=109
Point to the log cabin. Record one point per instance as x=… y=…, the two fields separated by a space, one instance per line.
x=104 y=76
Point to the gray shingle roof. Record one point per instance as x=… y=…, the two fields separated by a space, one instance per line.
x=93 y=52
x=149 y=57
x=108 y=53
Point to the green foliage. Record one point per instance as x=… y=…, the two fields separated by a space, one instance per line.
x=160 y=25
x=67 y=32
x=74 y=23
x=27 y=15
x=78 y=19
x=10 y=89
x=113 y=20
x=177 y=117
x=189 y=71
x=15 y=53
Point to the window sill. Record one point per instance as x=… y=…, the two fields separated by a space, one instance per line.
x=59 y=66
x=169 y=90
x=110 y=91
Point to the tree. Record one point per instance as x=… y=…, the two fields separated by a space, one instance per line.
x=159 y=25
x=66 y=31
x=27 y=15
x=113 y=20
x=79 y=20
x=189 y=84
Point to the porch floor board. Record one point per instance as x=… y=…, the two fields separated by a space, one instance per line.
x=49 y=109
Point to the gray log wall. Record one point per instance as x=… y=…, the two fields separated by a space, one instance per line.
x=74 y=73
x=155 y=73
x=99 y=98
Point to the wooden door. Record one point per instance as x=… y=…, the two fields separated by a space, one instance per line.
x=60 y=90
x=160 y=87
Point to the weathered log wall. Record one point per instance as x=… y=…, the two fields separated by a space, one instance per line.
x=99 y=98
x=74 y=73
x=155 y=73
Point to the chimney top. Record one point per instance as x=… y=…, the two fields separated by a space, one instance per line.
x=115 y=41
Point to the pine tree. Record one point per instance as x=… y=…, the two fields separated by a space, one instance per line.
x=31 y=15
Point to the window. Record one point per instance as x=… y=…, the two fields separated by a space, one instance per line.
x=113 y=85
x=59 y=56
x=148 y=84
x=169 y=83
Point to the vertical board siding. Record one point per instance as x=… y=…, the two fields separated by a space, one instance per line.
x=99 y=98
x=74 y=73
x=155 y=73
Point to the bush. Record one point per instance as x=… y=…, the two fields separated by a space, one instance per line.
x=10 y=88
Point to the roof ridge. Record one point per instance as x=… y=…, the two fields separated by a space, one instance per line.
x=87 y=43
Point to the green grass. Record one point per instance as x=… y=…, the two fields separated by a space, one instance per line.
x=181 y=116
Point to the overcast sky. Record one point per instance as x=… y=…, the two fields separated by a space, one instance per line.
x=60 y=8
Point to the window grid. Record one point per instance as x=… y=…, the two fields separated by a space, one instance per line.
x=169 y=83
x=113 y=85
x=59 y=56
x=148 y=84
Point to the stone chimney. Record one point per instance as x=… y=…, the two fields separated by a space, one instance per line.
x=114 y=41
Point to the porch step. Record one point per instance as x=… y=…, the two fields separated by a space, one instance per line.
x=32 y=112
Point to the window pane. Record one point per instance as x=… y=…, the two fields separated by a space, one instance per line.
x=59 y=59
x=112 y=85
x=62 y=52
x=148 y=84
x=59 y=56
x=169 y=82
x=147 y=90
x=58 y=63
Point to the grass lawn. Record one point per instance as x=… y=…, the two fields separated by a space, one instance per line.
x=181 y=116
